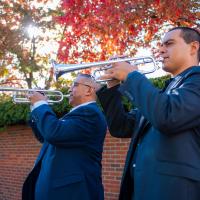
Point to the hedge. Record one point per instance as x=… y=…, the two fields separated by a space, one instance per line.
x=12 y=114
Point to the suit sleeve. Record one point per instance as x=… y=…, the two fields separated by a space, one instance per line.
x=120 y=122
x=169 y=113
x=76 y=128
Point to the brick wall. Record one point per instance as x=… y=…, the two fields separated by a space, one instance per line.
x=114 y=155
x=19 y=149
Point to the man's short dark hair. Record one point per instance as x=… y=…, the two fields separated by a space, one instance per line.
x=189 y=35
x=86 y=75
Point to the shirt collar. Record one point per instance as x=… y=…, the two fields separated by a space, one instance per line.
x=184 y=72
x=177 y=77
x=83 y=104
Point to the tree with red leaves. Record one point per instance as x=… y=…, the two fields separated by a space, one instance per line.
x=95 y=30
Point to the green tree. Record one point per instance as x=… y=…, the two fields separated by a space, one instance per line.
x=21 y=63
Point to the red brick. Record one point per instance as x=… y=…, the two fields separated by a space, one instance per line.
x=19 y=149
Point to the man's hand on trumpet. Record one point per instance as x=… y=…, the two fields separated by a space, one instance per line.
x=118 y=72
x=36 y=96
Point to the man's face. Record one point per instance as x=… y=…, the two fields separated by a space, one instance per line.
x=79 y=90
x=175 y=52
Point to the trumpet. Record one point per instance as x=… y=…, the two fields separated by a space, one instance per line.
x=20 y=94
x=60 y=69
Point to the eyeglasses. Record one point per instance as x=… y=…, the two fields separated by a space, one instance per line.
x=75 y=84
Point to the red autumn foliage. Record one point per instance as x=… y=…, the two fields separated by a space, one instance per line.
x=95 y=30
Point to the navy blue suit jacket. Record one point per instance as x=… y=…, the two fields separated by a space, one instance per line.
x=172 y=116
x=69 y=163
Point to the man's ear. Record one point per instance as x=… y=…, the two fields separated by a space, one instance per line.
x=97 y=86
x=89 y=91
x=195 y=47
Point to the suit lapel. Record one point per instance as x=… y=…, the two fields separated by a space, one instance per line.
x=173 y=84
x=144 y=124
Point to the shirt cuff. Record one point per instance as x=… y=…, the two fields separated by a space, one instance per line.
x=37 y=104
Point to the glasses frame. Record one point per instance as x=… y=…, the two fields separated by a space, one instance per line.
x=75 y=84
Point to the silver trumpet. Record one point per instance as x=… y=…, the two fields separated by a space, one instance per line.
x=145 y=65
x=20 y=95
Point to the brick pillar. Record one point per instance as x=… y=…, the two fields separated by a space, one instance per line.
x=114 y=155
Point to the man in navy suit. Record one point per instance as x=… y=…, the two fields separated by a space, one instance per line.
x=69 y=163
x=163 y=161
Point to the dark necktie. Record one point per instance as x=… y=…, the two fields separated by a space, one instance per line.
x=167 y=82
